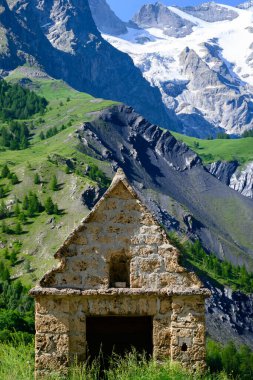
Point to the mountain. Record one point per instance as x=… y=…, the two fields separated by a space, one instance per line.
x=165 y=168
x=62 y=38
x=105 y=19
x=159 y=16
x=246 y=5
x=92 y=138
x=211 y=12
x=201 y=77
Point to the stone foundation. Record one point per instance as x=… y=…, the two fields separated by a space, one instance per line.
x=178 y=326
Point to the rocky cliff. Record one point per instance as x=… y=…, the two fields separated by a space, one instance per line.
x=174 y=181
x=105 y=19
x=239 y=178
x=159 y=16
x=62 y=37
x=229 y=315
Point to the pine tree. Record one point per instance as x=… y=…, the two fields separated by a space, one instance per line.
x=5 y=171
x=42 y=136
x=22 y=218
x=3 y=210
x=18 y=229
x=4 y=228
x=33 y=204
x=24 y=143
x=25 y=203
x=17 y=209
x=4 y=272
x=49 y=206
x=54 y=184
x=14 y=254
x=36 y=179
x=14 y=179
x=2 y=192
x=56 y=210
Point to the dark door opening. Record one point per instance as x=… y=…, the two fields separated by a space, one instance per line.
x=107 y=335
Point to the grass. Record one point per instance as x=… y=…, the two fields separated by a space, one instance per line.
x=220 y=150
x=17 y=363
x=47 y=158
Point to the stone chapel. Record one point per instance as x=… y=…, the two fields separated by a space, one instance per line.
x=118 y=285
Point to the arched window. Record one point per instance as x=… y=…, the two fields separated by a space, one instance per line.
x=119 y=271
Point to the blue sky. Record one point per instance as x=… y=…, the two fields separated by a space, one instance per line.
x=125 y=9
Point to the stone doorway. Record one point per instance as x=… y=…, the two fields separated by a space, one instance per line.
x=119 y=335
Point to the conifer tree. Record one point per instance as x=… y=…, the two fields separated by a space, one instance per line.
x=36 y=179
x=42 y=136
x=49 y=206
x=17 y=209
x=3 y=210
x=4 y=228
x=2 y=192
x=18 y=229
x=5 y=171
x=25 y=203
x=54 y=184
x=22 y=218
x=14 y=179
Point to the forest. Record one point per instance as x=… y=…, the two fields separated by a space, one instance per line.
x=16 y=105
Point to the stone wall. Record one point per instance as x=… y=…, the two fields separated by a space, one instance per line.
x=61 y=326
x=120 y=225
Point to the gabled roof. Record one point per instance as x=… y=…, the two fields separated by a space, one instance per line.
x=46 y=285
x=119 y=177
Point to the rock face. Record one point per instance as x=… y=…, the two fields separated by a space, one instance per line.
x=165 y=168
x=105 y=19
x=229 y=316
x=211 y=12
x=117 y=264
x=246 y=5
x=223 y=170
x=207 y=85
x=222 y=98
x=237 y=177
x=159 y=16
x=65 y=32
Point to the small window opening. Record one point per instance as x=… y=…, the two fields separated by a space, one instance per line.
x=119 y=272
x=184 y=347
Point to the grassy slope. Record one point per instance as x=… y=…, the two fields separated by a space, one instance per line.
x=41 y=238
x=223 y=150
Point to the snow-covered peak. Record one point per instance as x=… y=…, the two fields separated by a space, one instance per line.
x=211 y=12
x=205 y=76
x=246 y=5
x=160 y=16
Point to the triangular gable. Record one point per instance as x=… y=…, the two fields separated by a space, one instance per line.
x=120 y=227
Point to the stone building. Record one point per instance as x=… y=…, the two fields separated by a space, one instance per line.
x=119 y=285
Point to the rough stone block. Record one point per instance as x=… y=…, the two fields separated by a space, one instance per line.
x=52 y=363
x=165 y=306
x=51 y=324
x=52 y=343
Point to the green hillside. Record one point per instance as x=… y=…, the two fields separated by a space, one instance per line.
x=32 y=170
x=223 y=150
x=53 y=151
